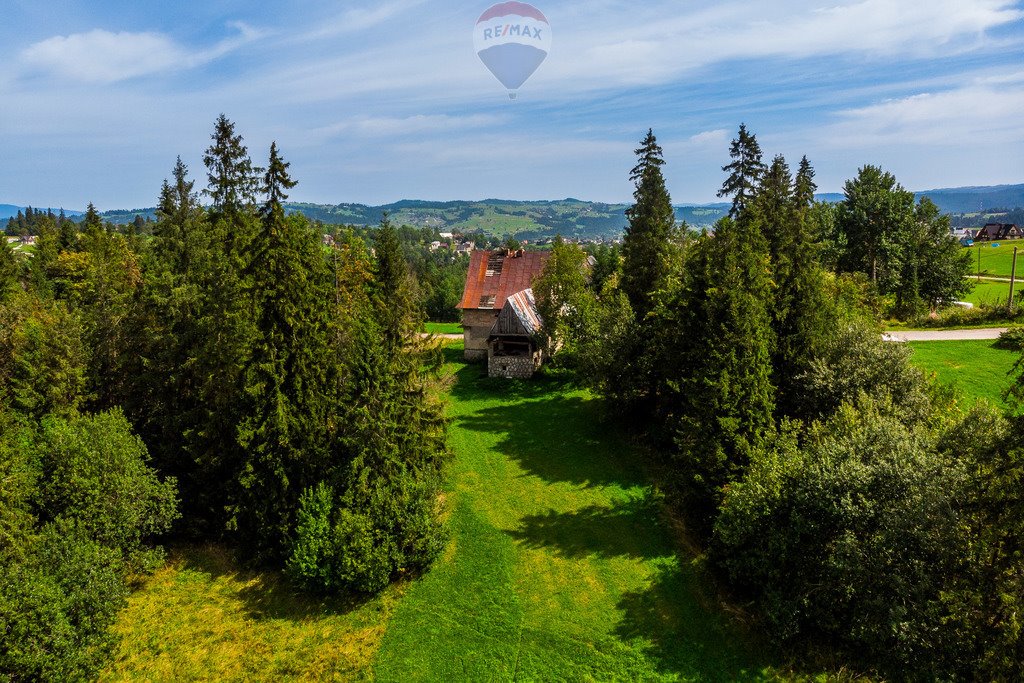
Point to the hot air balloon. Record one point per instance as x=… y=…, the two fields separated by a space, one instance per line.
x=512 y=39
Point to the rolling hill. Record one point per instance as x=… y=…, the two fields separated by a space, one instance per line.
x=568 y=217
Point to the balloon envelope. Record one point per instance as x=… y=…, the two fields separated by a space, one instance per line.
x=512 y=39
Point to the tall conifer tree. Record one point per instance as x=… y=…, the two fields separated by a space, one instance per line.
x=745 y=171
x=648 y=242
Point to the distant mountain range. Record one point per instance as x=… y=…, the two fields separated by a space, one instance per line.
x=569 y=217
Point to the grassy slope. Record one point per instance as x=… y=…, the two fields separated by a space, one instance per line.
x=976 y=367
x=560 y=566
x=993 y=293
x=997 y=261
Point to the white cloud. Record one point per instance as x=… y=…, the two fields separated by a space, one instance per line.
x=101 y=56
x=362 y=18
x=660 y=42
x=367 y=126
x=971 y=115
x=716 y=137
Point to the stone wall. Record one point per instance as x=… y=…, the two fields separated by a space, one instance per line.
x=477 y=325
x=511 y=367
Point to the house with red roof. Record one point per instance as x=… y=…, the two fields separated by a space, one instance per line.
x=493 y=278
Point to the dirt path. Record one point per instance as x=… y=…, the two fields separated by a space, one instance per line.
x=943 y=335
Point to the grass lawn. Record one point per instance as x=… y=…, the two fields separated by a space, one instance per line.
x=996 y=260
x=560 y=566
x=202 y=618
x=444 y=328
x=976 y=367
x=994 y=293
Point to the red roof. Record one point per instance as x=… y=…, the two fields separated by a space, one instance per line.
x=500 y=274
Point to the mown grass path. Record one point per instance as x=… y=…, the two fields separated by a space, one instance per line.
x=560 y=566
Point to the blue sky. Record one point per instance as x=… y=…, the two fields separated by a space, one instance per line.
x=378 y=101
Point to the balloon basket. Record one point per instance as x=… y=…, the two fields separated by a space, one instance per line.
x=513 y=96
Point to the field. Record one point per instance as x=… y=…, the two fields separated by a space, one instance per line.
x=561 y=566
x=976 y=368
x=444 y=328
x=204 y=618
x=992 y=292
x=996 y=261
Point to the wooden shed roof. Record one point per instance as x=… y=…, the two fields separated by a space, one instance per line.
x=494 y=276
x=519 y=316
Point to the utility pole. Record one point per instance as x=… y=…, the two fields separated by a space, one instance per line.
x=1013 y=276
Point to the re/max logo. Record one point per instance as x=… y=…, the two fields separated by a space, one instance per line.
x=512 y=30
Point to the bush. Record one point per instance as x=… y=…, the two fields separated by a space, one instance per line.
x=56 y=606
x=850 y=541
x=95 y=473
x=855 y=361
x=360 y=541
x=1012 y=339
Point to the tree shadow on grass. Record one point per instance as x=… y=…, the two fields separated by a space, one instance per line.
x=685 y=634
x=616 y=531
x=266 y=593
x=558 y=438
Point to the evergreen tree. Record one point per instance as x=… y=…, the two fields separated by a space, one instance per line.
x=745 y=171
x=8 y=269
x=68 y=239
x=232 y=179
x=714 y=342
x=397 y=307
x=804 y=187
x=648 y=243
x=798 y=305
x=286 y=399
x=92 y=224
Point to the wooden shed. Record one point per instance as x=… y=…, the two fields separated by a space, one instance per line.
x=514 y=348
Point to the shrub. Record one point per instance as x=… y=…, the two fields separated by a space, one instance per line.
x=95 y=472
x=855 y=361
x=359 y=541
x=1012 y=339
x=850 y=540
x=56 y=606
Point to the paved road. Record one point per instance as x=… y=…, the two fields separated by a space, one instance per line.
x=943 y=335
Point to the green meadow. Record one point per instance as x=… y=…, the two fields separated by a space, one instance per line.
x=996 y=261
x=976 y=367
x=562 y=564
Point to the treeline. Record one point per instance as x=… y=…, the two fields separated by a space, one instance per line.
x=36 y=222
x=864 y=513
x=230 y=373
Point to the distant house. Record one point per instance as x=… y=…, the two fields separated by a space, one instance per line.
x=999 y=231
x=445 y=235
x=435 y=245
x=493 y=277
x=465 y=248
x=513 y=348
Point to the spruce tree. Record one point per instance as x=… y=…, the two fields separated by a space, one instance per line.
x=804 y=186
x=745 y=171
x=714 y=333
x=284 y=394
x=232 y=179
x=798 y=306
x=648 y=242
x=8 y=269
